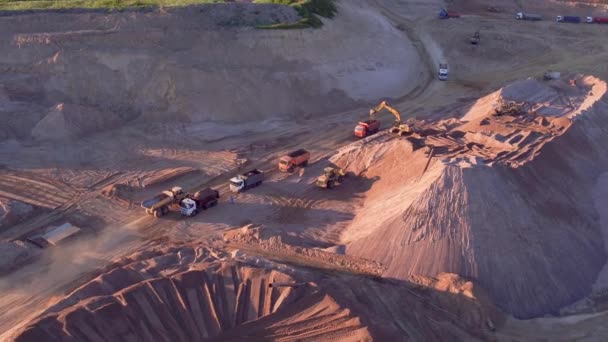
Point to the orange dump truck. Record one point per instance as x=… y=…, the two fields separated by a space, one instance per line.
x=367 y=128
x=294 y=159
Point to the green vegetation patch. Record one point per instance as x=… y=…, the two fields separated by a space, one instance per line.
x=12 y=5
x=308 y=11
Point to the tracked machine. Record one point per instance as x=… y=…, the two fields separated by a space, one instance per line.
x=399 y=127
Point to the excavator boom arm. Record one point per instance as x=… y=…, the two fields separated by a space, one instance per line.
x=385 y=105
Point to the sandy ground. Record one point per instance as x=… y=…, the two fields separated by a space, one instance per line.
x=173 y=106
x=191 y=292
x=600 y=196
x=154 y=65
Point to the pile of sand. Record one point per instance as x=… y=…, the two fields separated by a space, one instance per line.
x=504 y=200
x=65 y=121
x=192 y=292
x=187 y=294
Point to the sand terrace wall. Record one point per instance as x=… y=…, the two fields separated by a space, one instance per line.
x=196 y=63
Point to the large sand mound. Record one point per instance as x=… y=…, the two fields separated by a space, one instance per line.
x=201 y=63
x=187 y=294
x=73 y=121
x=506 y=200
x=191 y=293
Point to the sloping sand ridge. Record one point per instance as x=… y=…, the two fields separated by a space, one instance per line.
x=506 y=199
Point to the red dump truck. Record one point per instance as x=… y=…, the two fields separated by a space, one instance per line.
x=292 y=160
x=597 y=20
x=367 y=128
x=201 y=200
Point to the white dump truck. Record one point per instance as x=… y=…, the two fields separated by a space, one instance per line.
x=246 y=181
x=201 y=200
x=443 y=72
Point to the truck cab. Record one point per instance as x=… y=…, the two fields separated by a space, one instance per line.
x=443 y=72
x=519 y=16
x=188 y=207
x=237 y=184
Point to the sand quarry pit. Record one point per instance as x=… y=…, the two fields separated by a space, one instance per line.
x=460 y=231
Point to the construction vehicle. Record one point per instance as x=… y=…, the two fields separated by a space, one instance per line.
x=292 y=160
x=398 y=126
x=330 y=176
x=445 y=14
x=597 y=20
x=475 y=38
x=513 y=108
x=443 y=72
x=568 y=19
x=528 y=16
x=246 y=181
x=201 y=200
x=367 y=128
x=160 y=204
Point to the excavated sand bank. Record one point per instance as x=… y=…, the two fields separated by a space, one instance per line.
x=191 y=293
x=506 y=200
x=196 y=63
x=187 y=294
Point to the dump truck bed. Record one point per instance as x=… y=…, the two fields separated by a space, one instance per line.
x=155 y=201
x=297 y=153
x=205 y=195
x=252 y=173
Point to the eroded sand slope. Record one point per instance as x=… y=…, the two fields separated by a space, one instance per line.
x=505 y=200
x=202 y=63
x=186 y=294
x=193 y=292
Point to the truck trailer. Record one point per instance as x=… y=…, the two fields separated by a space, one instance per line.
x=568 y=19
x=292 y=160
x=597 y=20
x=201 y=200
x=246 y=181
x=367 y=128
x=528 y=16
x=445 y=14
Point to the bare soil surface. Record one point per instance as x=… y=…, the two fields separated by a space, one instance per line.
x=193 y=292
x=457 y=215
x=502 y=217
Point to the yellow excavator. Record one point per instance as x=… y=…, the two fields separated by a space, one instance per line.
x=398 y=127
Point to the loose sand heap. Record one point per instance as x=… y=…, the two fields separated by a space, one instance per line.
x=505 y=200
x=187 y=294
x=73 y=121
x=190 y=293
